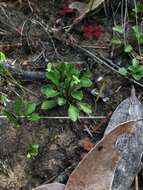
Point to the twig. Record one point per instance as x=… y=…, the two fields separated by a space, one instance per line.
x=61 y=117
x=95 y=47
x=136 y=183
x=103 y=121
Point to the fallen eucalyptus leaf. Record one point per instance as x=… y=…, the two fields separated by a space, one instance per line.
x=128 y=109
x=130 y=147
x=96 y=170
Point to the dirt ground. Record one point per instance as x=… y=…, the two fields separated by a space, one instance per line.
x=23 y=36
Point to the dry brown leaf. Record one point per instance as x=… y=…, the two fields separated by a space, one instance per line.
x=130 y=146
x=96 y=170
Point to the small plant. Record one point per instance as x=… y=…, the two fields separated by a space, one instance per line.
x=119 y=40
x=121 y=31
x=20 y=109
x=66 y=89
x=33 y=150
x=135 y=70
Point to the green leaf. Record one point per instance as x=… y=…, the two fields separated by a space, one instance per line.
x=34 y=117
x=116 y=41
x=140 y=69
x=140 y=39
x=54 y=76
x=4 y=100
x=128 y=48
x=49 y=92
x=85 y=82
x=138 y=8
x=137 y=76
x=75 y=79
x=136 y=29
x=135 y=62
x=49 y=67
x=33 y=150
x=18 y=106
x=77 y=95
x=30 y=108
x=61 y=101
x=48 y=104
x=2 y=56
x=35 y=147
x=87 y=74
x=2 y=69
x=73 y=112
x=70 y=70
x=28 y=156
x=123 y=71
x=136 y=70
x=66 y=70
x=138 y=33
x=119 y=29
x=85 y=107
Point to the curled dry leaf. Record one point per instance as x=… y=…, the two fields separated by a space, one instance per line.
x=96 y=170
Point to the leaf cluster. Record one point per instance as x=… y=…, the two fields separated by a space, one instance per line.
x=134 y=69
x=66 y=89
x=20 y=109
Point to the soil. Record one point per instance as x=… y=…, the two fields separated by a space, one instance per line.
x=24 y=37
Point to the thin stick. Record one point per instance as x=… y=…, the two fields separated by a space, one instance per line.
x=136 y=183
x=61 y=117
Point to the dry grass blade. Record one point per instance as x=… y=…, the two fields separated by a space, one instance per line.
x=52 y=186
